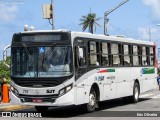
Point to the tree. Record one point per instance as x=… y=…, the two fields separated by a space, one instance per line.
x=4 y=70
x=89 y=21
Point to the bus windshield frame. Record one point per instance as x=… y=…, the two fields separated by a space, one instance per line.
x=50 y=59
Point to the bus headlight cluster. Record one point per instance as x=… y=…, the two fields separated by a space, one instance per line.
x=14 y=90
x=65 y=90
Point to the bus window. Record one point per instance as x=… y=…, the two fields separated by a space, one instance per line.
x=105 y=58
x=135 y=60
x=93 y=53
x=104 y=48
x=151 y=57
x=151 y=51
x=135 y=55
x=144 y=57
x=80 y=56
x=92 y=47
x=140 y=55
x=115 y=53
x=127 y=58
x=114 y=49
x=151 y=60
x=135 y=50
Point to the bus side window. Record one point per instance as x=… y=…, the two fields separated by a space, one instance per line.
x=127 y=57
x=151 y=57
x=135 y=55
x=115 y=53
x=144 y=56
x=140 y=55
x=105 y=52
x=80 y=56
x=93 y=53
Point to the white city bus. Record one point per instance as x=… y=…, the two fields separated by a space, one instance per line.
x=60 y=68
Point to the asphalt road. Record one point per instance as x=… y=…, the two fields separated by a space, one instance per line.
x=147 y=108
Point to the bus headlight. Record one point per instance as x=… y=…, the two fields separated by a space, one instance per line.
x=65 y=90
x=14 y=90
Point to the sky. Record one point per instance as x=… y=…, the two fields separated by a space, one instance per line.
x=131 y=20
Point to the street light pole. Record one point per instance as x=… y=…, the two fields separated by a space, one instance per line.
x=150 y=35
x=107 y=13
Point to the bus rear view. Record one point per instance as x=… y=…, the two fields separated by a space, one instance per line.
x=41 y=63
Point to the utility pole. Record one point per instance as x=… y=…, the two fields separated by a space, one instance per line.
x=52 y=14
x=106 y=20
x=48 y=10
x=149 y=33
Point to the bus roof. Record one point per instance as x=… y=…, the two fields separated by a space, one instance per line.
x=113 y=38
x=118 y=38
x=43 y=31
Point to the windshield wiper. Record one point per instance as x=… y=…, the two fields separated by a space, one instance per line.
x=48 y=53
x=29 y=55
x=24 y=45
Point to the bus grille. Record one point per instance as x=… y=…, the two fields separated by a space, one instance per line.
x=37 y=83
x=29 y=98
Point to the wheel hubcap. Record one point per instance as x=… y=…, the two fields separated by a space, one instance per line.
x=92 y=100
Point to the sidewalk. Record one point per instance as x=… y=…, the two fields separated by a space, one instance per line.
x=4 y=105
x=10 y=107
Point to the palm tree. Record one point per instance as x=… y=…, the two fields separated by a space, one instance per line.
x=89 y=21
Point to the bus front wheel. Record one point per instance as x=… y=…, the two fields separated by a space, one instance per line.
x=91 y=105
x=41 y=108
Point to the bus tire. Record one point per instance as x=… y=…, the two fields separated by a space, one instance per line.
x=136 y=92
x=41 y=109
x=91 y=106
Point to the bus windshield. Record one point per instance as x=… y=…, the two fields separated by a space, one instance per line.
x=54 y=61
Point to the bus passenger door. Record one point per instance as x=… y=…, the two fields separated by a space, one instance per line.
x=80 y=62
x=80 y=73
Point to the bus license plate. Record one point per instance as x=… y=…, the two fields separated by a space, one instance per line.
x=37 y=100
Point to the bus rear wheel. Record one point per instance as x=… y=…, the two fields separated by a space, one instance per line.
x=91 y=105
x=136 y=92
x=135 y=97
x=41 y=108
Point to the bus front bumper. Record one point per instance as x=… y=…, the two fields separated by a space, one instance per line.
x=65 y=100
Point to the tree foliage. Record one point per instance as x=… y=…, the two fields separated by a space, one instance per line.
x=89 y=22
x=4 y=70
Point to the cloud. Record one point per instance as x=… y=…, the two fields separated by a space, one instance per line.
x=155 y=5
x=8 y=14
